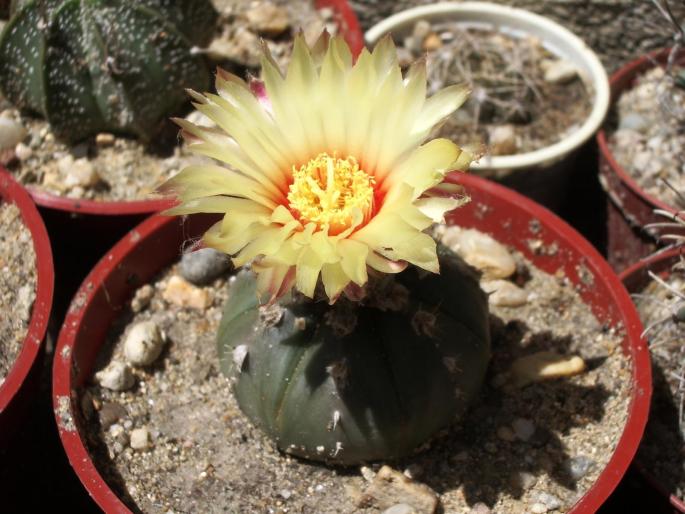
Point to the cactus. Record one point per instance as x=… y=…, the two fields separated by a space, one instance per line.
x=352 y=382
x=90 y=66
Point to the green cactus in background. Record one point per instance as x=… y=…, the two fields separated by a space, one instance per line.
x=91 y=66
x=355 y=382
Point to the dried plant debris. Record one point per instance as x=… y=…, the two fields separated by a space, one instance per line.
x=176 y=440
x=662 y=309
x=523 y=96
x=110 y=167
x=17 y=285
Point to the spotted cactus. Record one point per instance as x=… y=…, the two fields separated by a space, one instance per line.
x=104 y=65
x=355 y=382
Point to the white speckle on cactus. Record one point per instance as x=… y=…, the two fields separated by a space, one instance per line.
x=239 y=356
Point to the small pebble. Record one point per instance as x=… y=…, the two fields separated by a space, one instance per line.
x=285 y=494
x=400 y=508
x=22 y=151
x=633 y=121
x=480 y=508
x=182 y=293
x=523 y=428
x=523 y=480
x=431 y=43
x=77 y=172
x=503 y=140
x=143 y=343
x=11 y=133
x=413 y=471
x=502 y=293
x=204 y=265
x=389 y=487
x=549 y=500
x=560 y=71
x=545 y=366
x=116 y=376
x=142 y=298
x=579 y=466
x=505 y=434
x=480 y=251
x=104 y=139
x=367 y=473
x=268 y=19
x=140 y=438
x=110 y=413
x=538 y=508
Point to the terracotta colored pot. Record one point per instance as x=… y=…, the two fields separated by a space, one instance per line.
x=636 y=278
x=155 y=244
x=19 y=385
x=630 y=208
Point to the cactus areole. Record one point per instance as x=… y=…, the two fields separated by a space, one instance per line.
x=358 y=381
x=90 y=66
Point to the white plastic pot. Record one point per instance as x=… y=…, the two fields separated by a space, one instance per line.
x=529 y=172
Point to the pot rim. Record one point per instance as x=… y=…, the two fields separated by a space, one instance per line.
x=65 y=402
x=12 y=192
x=545 y=156
x=628 y=73
x=628 y=276
x=350 y=30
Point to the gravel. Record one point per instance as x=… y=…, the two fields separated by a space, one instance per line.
x=17 y=285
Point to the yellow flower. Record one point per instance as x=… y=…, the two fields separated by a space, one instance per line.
x=326 y=175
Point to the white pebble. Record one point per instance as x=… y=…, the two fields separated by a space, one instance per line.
x=23 y=151
x=140 y=438
x=117 y=377
x=538 y=508
x=545 y=366
x=11 y=133
x=77 y=173
x=143 y=343
x=502 y=293
x=480 y=251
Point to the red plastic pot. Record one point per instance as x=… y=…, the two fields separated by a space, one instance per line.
x=636 y=278
x=155 y=244
x=630 y=208
x=16 y=390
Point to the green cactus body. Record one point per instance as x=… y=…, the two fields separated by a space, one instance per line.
x=350 y=383
x=90 y=66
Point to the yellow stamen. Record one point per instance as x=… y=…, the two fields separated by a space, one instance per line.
x=331 y=192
